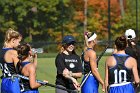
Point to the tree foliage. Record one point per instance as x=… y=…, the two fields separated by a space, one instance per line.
x=49 y=20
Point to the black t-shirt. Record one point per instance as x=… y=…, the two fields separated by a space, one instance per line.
x=72 y=62
x=135 y=53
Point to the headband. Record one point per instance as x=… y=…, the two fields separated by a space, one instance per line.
x=92 y=37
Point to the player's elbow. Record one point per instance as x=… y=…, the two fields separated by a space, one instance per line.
x=94 y=71
x=34 y=86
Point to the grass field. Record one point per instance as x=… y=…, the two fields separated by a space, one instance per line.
x=46 y=71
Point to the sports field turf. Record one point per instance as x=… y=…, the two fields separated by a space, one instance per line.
x=46 y=71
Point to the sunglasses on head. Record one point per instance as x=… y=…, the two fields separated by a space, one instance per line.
x=71 y=43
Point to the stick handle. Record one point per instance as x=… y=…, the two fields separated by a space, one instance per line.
x=85 y=79
x=44 y=83
x=100 y=56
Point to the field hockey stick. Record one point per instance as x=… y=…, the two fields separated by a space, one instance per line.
x=100 y=56
x=98 y=59
x=44 y=83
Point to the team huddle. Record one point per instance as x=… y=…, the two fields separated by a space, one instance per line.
x=122 y=68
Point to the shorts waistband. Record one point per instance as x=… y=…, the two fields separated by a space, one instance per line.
x=8 y=77
x=120 y=84
x=87 y=74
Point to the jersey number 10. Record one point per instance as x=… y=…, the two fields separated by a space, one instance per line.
x=120 y=76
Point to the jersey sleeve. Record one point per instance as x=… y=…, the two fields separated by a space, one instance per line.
x=59 y=63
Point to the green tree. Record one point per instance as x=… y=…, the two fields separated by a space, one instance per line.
x=49 y=20
x=31 y=17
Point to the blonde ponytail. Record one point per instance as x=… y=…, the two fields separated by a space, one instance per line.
x=11 y=34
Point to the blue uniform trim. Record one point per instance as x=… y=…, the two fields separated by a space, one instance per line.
x=117 y=61
x=7 y=48
x=8 y=84
x=24 y=63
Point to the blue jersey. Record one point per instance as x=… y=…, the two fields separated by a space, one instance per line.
x=25 y=84
x=91 y=84
x=85 y=64
x=120 y=73
x=119 y=76
x=8 y=84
